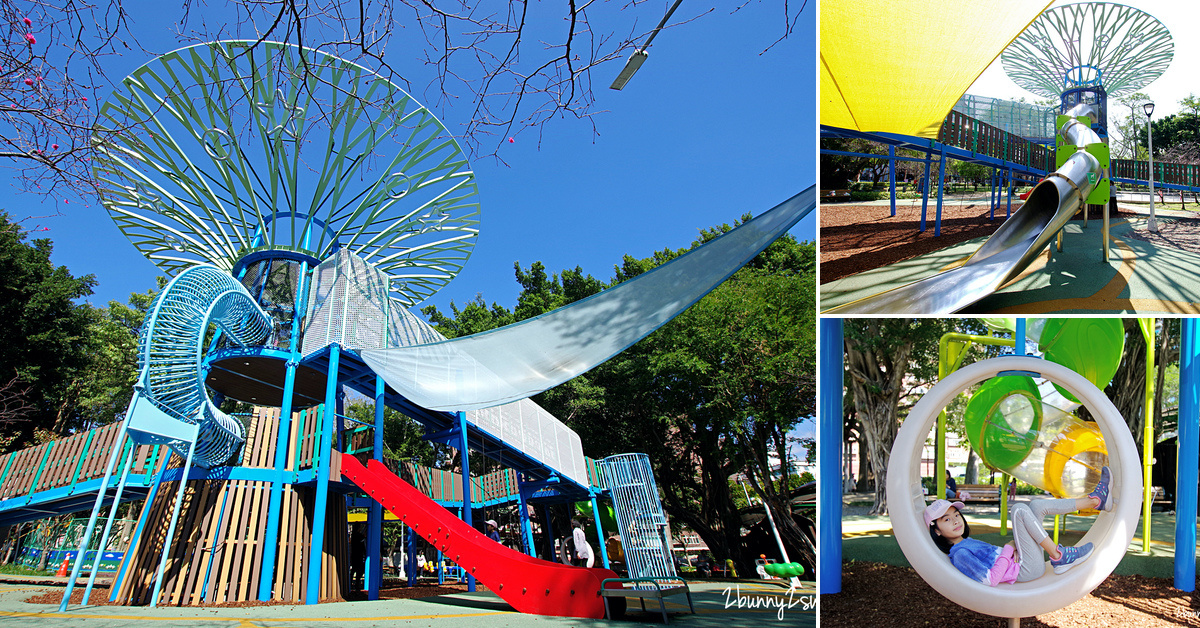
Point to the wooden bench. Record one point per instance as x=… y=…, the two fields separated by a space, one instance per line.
x=981 y=492
x=835 y=195
x=668 y=586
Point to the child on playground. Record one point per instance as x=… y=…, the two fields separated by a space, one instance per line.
x=1021 y=560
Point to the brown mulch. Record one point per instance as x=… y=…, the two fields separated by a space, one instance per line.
x=855 y=238
x=1172 y=233
x=876 y=594
x=100 y=594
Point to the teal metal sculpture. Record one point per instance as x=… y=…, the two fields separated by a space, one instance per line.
x=226 y=149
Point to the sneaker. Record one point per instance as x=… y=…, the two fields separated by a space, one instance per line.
x=1071 y=556
x=1101 y=490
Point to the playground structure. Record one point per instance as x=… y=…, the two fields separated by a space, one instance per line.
x=1017 y=436
x=1081 y=54
x=293 y=267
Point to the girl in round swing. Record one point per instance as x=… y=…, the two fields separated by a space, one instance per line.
x=1021 y=560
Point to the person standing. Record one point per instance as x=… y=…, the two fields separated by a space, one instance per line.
x=493 y=531
x=583 y=551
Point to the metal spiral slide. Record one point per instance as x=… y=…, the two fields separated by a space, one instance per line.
x=1013 y=246
x=170 y=405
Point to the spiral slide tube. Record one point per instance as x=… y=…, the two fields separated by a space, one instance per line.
x=170 y=353
x=1012 y=247
x=170 y=404
x=1110 y=533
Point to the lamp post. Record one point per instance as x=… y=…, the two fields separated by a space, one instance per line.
x=639 y=55
x=1152 y=224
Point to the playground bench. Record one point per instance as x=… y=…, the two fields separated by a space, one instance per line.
x=669 y=586
x=981 y=492
x=835 y=195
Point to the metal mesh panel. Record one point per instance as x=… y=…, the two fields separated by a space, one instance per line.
x=643 y=524
x=349 y=305
x=1019 y=118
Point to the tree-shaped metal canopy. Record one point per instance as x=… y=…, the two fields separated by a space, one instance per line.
x=1119 y=47
x=219 y=150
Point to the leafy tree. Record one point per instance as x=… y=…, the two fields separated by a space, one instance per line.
x=43 y=331
x=886 y=358
x=710 y=395
x=402 y=435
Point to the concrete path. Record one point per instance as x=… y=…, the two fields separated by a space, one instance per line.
x=718 y=604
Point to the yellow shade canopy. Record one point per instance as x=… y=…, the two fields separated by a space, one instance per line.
x=899 y=66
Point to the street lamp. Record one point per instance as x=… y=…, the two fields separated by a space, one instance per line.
x=639 y=55
x=1152 y=224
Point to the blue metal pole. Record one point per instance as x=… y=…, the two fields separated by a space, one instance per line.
x=891 y=181
x=112 y=515
x=1019 y=338
x=118 y=444
x=552 y=554
x=466 y=485
x=282 y=433
x=312 y=594
x=599 y=531
x=993 y=195
x=137 y=531
x=410 y=565
x=925 y=194
x=375 y=514
x=937 y=221
x=830 y=488
x=1188 y=458
x=526 y=527
x=1008 y=212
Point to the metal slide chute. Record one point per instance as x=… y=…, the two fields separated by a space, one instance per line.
x=1013 y=246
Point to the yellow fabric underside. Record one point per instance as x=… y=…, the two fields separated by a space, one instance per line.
x=899 y=66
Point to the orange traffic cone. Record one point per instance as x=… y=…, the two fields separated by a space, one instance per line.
x=62 y=569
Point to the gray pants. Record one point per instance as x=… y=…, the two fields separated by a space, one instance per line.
x=1028 y=532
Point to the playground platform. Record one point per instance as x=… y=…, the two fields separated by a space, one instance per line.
x=460 y=610
x=1139 y=277
x=869 y=538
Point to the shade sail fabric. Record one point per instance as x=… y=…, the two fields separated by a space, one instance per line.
x=899 y=66
x=525 y=358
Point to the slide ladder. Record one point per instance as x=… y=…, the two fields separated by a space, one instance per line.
x=530 y=585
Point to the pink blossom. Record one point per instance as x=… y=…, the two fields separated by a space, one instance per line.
x=511 y=140
x=28 y=22
x=39 y=79
x=85 y=99
x=29 y=81
x=67 y=201
x=54 y=146
x=30 y=39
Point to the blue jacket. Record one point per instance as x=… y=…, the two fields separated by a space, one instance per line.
x=974 y=558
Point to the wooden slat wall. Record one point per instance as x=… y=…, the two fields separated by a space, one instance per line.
x=220 y=537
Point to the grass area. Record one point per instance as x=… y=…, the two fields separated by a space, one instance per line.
x=22 y=570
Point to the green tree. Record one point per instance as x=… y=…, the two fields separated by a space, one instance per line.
x=43 y=333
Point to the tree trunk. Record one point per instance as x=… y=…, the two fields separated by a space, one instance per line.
x=876 y=381
x=1128 y=387
x=972 y=476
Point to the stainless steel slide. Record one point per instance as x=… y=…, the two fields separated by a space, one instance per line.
x=1011 y=248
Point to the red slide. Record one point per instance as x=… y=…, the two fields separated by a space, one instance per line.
x=530 y=585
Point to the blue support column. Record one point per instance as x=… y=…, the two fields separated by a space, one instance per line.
x=599 y=531
x=324 y=446
x=1008 y=212
x=994 y=194
x=283 y=432
x=829 y=489
x=551 y=550
x=891 y=181
x=410 y=564
x=1187 y=459
x=937 y=221
x=526 y=528
x=925 y=195
x=466 y=485
x=375 y=514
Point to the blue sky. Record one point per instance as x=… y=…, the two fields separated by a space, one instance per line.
x=710 y=128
